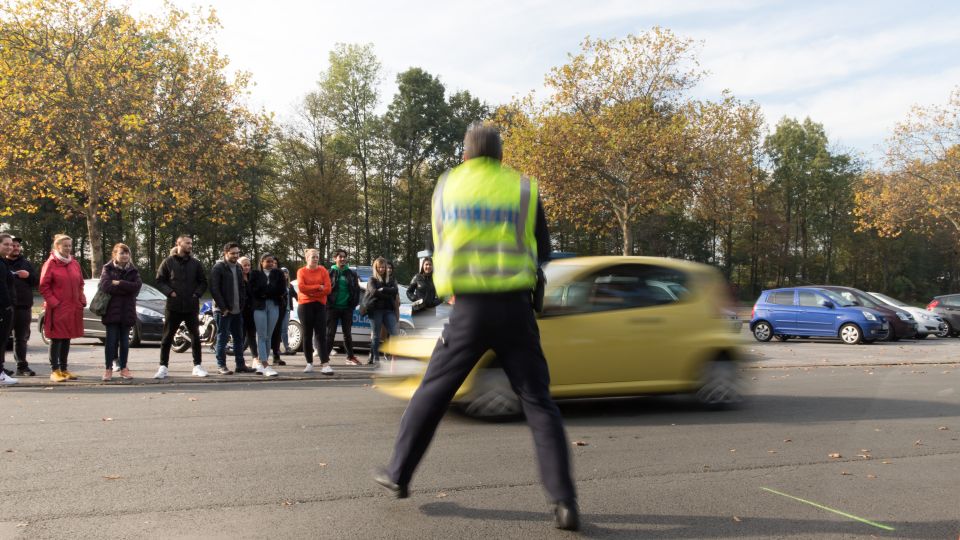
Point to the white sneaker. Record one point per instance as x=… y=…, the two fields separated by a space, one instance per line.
x=308 y=369
x=269 y=372
x=198 y=371
x=326 y=369
x=161 y=373
x=258 y=366
x=116 y=366
x=6 y=379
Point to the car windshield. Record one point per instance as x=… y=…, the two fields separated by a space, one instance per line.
x=836 y=298
x=149 y=293
x=890 y=299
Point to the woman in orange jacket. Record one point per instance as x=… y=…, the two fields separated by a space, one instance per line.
x=313 y=286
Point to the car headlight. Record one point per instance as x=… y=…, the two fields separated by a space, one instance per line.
x=869 y=316
x=147 y=312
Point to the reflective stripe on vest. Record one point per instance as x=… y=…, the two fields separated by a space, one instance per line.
x=483 y=226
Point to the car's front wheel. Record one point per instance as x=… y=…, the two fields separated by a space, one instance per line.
x=294 y=335
x=492 y=397
x=945 y=330
x=851 y=334
x=720 y=384
x=134 y=336
x=762 y=331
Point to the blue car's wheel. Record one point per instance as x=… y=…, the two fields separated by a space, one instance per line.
x=851 y=334
x=762 y=331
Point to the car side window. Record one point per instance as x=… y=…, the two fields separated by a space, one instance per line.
x=951 y=301
x=782 y=298
x=811 y=299
x=626 y=286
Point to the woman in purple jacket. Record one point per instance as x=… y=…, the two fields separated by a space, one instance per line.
x=121 y=279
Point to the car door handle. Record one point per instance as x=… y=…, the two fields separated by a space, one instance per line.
x=645 y=320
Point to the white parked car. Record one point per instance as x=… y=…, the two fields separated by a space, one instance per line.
x=927 y=322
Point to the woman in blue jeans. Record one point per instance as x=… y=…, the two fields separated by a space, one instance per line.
x=121 y=280
x=381 y=298
x=267 y=289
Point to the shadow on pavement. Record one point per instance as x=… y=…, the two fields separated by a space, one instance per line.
x=189 y=386
x=680 y=526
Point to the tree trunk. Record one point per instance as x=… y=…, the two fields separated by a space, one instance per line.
x=627 y=232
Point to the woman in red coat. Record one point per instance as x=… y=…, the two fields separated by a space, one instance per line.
x=61 y=284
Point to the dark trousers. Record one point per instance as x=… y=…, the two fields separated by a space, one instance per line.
x=250 y=332
x=229 y=326
x=59 y=351
x=22 y=317
x=275 y=337
x=6 y=323
x=343 y=316
x=313 y=318
x=171 y=323
x=506 y=324
x=117 y=345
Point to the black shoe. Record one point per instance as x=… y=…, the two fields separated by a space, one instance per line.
x=224 y=370
x=381 y=477
x=25 y=371
x=245 y=369
x=278 y=362
x=8 y=372
x=566 y=516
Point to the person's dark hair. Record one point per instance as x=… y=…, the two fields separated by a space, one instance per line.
x=482 y=140
x=339 y=251
x=182 y=236
x=4 y=236
x=230 y=245
x=266 y=256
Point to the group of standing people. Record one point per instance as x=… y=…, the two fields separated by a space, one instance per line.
x=251 y=306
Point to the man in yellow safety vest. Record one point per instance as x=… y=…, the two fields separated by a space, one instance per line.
x=490 y=236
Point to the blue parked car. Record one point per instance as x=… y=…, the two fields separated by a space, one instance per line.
x=811 y=312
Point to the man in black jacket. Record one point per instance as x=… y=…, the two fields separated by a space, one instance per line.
x=6 y=304
x=343 y=298
x=182 y=279
x=25 y=279
x=226 y=287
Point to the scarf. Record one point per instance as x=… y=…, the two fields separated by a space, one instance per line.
x=61 y=258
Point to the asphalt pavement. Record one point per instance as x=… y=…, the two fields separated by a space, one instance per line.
x=863 y=445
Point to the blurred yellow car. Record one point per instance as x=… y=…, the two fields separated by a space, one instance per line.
x=611 y=326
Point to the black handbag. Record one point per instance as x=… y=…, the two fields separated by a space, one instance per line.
x=99 y=303
x=366 y=302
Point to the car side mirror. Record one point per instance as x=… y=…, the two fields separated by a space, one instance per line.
x=828 y=304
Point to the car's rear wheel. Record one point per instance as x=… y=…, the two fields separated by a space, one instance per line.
x=851 y=334
x=762 y=331
x=492 y=397
x=181 y=340
x=720 y=384
x=134 y=336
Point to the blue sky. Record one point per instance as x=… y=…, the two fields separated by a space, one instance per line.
x=856 y=67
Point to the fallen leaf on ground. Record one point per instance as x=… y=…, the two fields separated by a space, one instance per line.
x=322 y=464
x=10 y=451
x=112 y=477
x=886 y=462
x=919 y=442
x=192 y=399
x=943 y=428
x=865 y=450
x=441 y=495
x=737 y=519
x=580 y=443
x=732 y=450
x=845 y=473
x=788 y=440
x=835 y=455
x=107 y=419
x=871 y=476
x=864 y=456
x=287 y=503
x=771 y=451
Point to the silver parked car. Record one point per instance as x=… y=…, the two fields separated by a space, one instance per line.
x=927 y=321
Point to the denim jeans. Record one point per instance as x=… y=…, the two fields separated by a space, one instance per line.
x=229 y=326
x=117 y=345
x=379 y=318
x=266 y=321
x=284 y=338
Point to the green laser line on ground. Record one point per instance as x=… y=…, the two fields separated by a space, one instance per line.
x=828 y=509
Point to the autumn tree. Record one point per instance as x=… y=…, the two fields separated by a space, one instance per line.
x=920 y=188
x=613 y=131
x=99 y=108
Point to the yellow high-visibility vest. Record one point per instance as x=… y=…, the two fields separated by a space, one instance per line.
x=484 y=214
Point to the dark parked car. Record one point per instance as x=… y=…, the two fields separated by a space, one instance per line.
x=948 y=308
x=810 y=312
x=149 y=327
x=902 y=323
